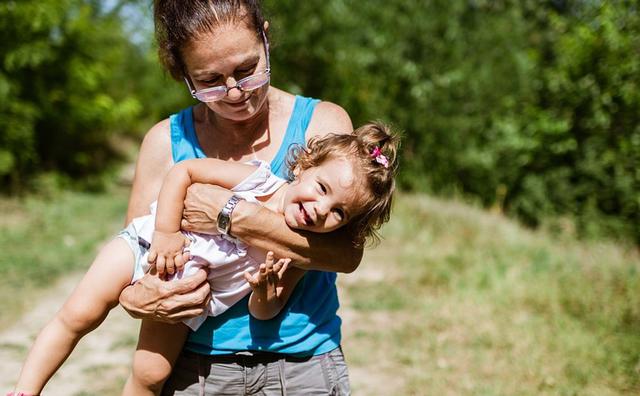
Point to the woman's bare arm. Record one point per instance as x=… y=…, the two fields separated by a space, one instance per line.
x=262 y=228
x=267 y=230
x=151 y=297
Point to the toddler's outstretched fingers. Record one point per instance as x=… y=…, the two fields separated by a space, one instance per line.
x=285 y=265
x=249 y=278
x=186 y=256
x=269 y=259
x=153 y=255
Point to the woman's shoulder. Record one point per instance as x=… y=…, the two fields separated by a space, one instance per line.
x=158 y=134
x=156 y=145
x=329 y=118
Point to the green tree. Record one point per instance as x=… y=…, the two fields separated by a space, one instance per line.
x=528 y=105
x=59 y=102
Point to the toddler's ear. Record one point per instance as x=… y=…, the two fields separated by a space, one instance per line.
x=296 y=171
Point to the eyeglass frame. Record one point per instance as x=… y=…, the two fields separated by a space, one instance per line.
x=194 y=93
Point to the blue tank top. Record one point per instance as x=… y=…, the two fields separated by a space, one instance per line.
x=308 y=324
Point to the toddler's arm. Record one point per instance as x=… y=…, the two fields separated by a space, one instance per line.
x=168 y=242
x=272 y=286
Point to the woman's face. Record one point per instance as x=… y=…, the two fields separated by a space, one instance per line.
x=222 y=57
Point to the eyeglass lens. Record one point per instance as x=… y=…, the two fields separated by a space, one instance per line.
x=246 y=84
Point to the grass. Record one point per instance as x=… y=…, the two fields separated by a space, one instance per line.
x=42 y=238
x=464 y=302
x=455 y=300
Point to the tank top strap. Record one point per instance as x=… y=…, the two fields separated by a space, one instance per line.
x=303 y=108
x=184 y=141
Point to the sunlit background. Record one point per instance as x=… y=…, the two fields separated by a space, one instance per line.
x=511 y=263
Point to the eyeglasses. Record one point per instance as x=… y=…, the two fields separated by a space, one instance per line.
x=246 y=84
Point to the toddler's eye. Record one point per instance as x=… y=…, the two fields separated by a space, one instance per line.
x=322 y=188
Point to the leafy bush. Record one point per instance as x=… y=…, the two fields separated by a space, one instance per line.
x=529 y=106
x=61 y=94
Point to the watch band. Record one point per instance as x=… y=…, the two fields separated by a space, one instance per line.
x=224 y=217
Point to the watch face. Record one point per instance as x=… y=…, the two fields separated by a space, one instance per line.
x=224 y=217
x=223 y=224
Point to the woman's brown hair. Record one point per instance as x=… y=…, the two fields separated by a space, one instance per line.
x=179 y=21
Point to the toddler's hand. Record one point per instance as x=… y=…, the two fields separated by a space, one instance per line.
x=265 y=281
x=167 y=252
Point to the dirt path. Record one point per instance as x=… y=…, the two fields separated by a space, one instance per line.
x=98 y=365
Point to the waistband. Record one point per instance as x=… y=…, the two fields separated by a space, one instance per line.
x=249 y=358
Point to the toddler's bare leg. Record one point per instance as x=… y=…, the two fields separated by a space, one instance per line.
x=158 y=348
x=93 y=298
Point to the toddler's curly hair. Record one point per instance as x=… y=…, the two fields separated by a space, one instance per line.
x=363 y=148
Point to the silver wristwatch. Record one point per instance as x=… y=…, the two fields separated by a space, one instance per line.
x=224 y=217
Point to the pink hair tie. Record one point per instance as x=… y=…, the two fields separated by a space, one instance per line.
x=380 y=158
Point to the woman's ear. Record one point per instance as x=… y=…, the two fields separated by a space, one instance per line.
x=266 y=26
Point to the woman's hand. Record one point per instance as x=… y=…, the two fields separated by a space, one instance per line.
x=201 y=207
x=170 y=302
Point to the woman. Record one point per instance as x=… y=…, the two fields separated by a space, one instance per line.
x=219 y=48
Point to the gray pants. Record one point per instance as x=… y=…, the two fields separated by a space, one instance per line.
x=259 y=374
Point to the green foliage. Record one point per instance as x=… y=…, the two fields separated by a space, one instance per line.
x=63 y=94
x=584 y=121
x=529 y=106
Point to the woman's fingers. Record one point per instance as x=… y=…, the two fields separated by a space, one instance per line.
x=189 y=284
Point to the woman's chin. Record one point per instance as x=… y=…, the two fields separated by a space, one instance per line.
x=238 y=113
x=235 y=114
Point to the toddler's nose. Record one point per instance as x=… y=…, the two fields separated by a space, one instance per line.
x=322 y=209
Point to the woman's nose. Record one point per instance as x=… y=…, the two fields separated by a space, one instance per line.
x=233 y=91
